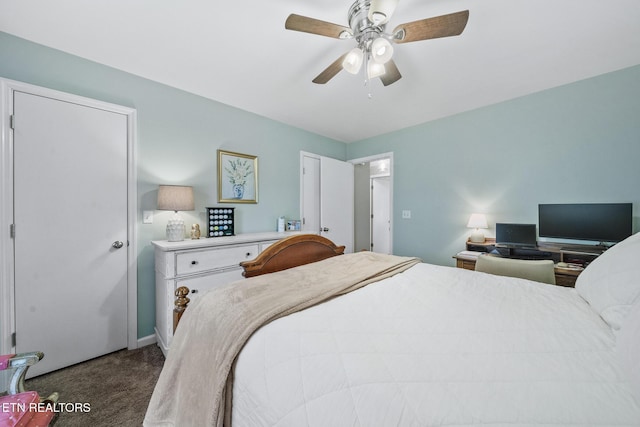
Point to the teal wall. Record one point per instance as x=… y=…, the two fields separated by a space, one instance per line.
x=178 y=135
x=575 y=143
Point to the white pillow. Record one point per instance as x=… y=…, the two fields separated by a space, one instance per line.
x=628 y=348
x=611 y=283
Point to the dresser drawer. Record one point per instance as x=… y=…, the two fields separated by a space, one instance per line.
x=200 y=284
x=213 y=259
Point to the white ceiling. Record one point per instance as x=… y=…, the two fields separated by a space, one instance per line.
x=238 y=53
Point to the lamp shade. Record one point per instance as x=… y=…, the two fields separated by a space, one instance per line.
x=175 y=198
x=477 y=221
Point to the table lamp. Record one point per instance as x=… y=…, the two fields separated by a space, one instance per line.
x=175 y=198
x=477 y=221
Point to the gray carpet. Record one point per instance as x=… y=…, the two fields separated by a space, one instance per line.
x=117 y=388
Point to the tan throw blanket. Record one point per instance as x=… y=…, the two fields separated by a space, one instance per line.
x=194 y=388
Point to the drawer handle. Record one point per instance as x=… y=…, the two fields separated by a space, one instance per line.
x=194 y=262
x=194 y=291
x=248 y=254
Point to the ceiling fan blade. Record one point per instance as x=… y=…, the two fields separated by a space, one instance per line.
x=315 y=26
x=330 y=71
x=391 y=73
x=431 y=28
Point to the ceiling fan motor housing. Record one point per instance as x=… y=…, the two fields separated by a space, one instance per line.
x=363 y=29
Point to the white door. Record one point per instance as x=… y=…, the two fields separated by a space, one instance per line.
x=336 y=202
x=327 y=199
x=381 y=215
x=70 y=245
x=310 y=197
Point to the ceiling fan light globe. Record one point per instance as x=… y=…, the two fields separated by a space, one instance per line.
x=380 y=11
x=353 y=61
x=381 y=50
x=377 y=18
x=375 y=69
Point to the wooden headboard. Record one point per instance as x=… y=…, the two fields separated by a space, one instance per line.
x=291 y=252
x=287 y=253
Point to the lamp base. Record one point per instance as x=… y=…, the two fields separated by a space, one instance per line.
x=477 y=237
x=175 y=229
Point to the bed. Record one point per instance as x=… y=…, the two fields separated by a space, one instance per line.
x=375 y=340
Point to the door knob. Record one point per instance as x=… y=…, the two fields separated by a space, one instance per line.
x=117 y=244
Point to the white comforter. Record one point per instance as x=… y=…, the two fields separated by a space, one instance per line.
x=436 y=346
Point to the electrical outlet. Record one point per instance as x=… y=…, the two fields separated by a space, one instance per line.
x=147 y=217
x=406 y=214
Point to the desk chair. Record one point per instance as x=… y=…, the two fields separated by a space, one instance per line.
x=536 y=270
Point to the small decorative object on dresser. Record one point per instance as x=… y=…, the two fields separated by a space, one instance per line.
x=294 y=225
x=220 y=222
x=237 y=178
x=195 y=231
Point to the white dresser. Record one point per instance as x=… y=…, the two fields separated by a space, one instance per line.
x=200 y=265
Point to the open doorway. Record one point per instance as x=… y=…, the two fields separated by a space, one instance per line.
x=373 y=185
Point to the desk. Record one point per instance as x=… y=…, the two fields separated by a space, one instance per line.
x=564 y=276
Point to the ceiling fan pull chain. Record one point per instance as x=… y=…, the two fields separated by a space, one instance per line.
x=365 y=71
x=367 y=83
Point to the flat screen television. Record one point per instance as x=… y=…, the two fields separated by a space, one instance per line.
x=601 y=222
x=516 y=235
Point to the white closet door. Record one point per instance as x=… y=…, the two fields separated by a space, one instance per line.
x=70 y=214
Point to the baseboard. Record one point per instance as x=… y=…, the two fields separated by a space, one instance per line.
x=163 y=346
x=148 y=340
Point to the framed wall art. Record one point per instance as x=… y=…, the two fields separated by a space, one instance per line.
x=237 y=177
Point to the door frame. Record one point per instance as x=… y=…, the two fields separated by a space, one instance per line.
x=7 y=275
x=381 y=156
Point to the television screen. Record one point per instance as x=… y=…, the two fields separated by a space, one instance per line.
x=516 y=235
x=602 y=222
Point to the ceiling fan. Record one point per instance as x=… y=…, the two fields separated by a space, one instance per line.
x=367 y=24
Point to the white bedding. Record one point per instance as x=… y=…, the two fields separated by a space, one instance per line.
x=436 y=346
